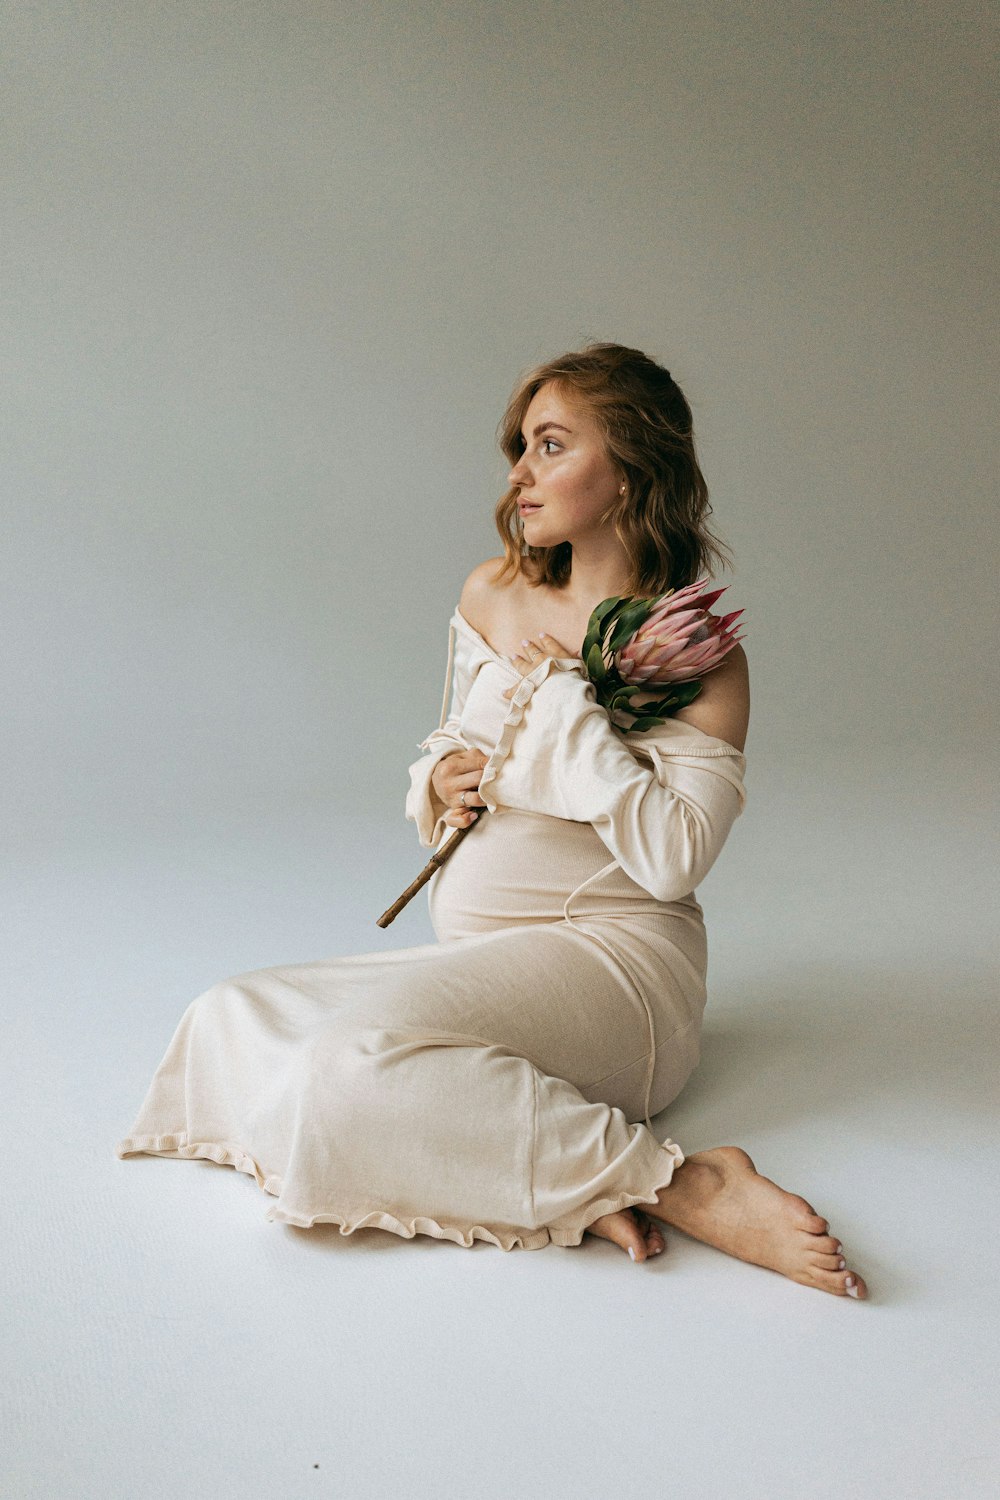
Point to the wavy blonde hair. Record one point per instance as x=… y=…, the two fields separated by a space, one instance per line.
x=648 y=431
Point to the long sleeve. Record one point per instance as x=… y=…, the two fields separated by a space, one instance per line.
x=423 y=806
x=560 y=754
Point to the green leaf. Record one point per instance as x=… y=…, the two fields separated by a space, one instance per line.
x=610 y=610
x=629 y=621
x=658 y=708
x=596 y=670
x=686 y=692
x=619 y=698
x=606 y=606
x=661 y=709
x=596 y=623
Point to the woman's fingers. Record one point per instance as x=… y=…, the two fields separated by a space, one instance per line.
x=554 y=647
x=458 y=771
x=536 y=649
x=467 y=812
x=458 y=781
x=470 y=786
x=472 y=799
x=458 y=818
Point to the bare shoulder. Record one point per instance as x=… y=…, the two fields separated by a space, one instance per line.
x=722 y=707
x=479 y=594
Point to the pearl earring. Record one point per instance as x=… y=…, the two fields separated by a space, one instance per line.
x=622 y=490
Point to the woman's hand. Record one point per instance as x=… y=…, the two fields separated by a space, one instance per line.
x=535 y=650
x=456 y=773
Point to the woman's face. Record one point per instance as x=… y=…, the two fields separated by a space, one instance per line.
x=564 y=471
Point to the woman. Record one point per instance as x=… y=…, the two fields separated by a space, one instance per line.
x=482 y=1087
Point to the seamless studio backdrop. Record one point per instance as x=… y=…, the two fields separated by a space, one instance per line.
x=270 y=274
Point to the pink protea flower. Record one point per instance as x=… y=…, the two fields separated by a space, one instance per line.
x=634 y=644
x=679 y=639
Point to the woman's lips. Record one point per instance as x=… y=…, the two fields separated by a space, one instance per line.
x=526 y=509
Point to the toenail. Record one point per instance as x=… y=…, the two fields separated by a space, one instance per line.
x=631 y=1252
x=848 y=1281
x=842 y=1264
x=852 y=1291
x=656 y=1250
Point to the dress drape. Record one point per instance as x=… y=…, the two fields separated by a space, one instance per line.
x=486 y=1085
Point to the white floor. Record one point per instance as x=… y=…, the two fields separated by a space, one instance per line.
x=164 y=1340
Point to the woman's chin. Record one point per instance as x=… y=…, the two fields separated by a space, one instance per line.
x=537 y=536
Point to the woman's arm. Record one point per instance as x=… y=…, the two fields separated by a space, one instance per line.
x=722 y=707
x=664 y=824
x=423 y=806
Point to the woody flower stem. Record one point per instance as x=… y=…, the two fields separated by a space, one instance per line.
x=434 y=863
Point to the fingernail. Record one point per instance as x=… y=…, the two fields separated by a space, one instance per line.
x=631 y=1251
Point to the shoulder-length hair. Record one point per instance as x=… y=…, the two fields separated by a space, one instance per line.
x=647 y=427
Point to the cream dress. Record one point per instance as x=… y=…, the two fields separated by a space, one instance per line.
x=484 y=1086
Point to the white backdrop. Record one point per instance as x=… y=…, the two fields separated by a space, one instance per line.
x=270 y=272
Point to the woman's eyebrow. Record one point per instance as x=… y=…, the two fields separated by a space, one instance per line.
x=544 y=426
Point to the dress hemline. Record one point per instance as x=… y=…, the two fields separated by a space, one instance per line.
x=505 y=1237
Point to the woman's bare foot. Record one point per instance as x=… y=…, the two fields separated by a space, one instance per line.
x=633 y=1229
x=719 y=1197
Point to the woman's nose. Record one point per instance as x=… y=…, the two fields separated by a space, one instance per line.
x=518 y=473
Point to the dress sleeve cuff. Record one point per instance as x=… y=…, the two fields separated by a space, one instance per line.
x=423 y=806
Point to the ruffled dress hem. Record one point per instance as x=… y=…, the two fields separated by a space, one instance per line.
x=504 y=1236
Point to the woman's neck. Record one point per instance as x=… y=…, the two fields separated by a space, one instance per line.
x=597 y=572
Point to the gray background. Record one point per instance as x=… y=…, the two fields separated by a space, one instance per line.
x=270 y=272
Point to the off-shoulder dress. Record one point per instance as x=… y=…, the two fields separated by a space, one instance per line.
x=495 y=1084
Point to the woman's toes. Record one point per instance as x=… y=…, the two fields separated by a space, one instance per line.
x=808 y=1217
x=635 y=1245
x=823 y=1244
x=827 y=1281
x=651 y=1232
x=840 y=1283
x=829 y=1262
x=627 y=1231
x=655 y=1243
x=623 y=1229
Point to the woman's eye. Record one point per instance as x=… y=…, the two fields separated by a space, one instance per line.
x=546 y=441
